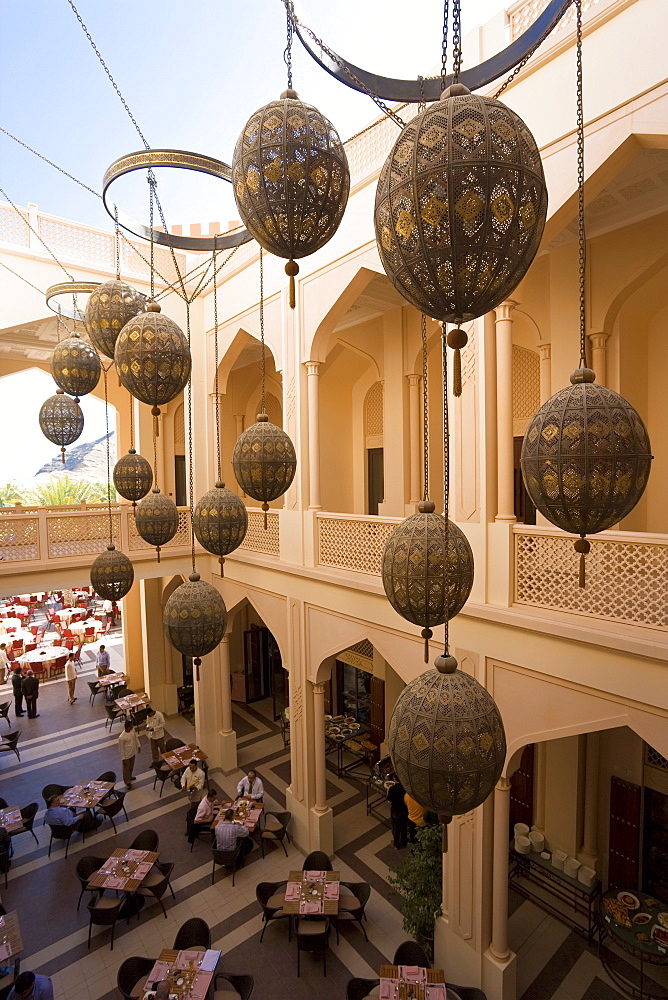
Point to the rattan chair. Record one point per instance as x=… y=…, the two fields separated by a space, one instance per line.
x=50 y=790
x=28 y=814
x=4 y=712
x=317 y=861
x=351 y=908
x=65 y=833
x=157 y=882
x=162 y=773
x=131 y=976
x=112 y=714
x=95 y=689
x=104 y=910
x=272 y=902
x=411 y=953
x=275 y=829
x=173 y=744
x=195 y=933
x=226 y=859
x=312 y=935
x=465 y=992
x=86 y=867
x=242 y=986
x=5 y=864
x=357 y=989
x=9 y=743
x=147 y=840
x=111 y=777
x=113 y=808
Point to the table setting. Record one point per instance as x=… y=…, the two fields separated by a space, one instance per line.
x=246 y=812
x=85 y=796
x=312 y=892
x=125 y=870
x=189 y=973
x=411 y=982
x=181 y=756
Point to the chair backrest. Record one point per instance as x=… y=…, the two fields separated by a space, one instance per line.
x=4 y=708
x=130 y=972
x=174 y=744
x=60 y=662
x=60 y=832
x=114 y=805
x=105 y=915
x=29 y=812
x=107 y=775
x=111 y=711
x=29 y=648
x=194 y=933
x=11 y=740
x=57 y=642
x=147 y=840
x=411 y=953
x=317 y=861
x=357 y=989
x=90 y=630
x=3 y=803
x=50 y=790
x=226 y=857
x=94 y=687
x=87 y=865
x=265 y=890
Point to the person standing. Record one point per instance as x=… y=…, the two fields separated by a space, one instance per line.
x=4 y=663
x=155 y=727
x=251 y=787
x=18 y=693
x=30 y=690
x=128 y=746
x=71 y=678
x=398 y=814
x=416 y=819
x=102 y=662
x=193 y=780
x=108 y=608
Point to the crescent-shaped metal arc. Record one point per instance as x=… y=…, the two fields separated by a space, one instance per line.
x=414 y=91
x=147 y=159
x=69 y=288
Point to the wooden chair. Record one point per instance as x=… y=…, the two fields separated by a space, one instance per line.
x=132 y=973
x=312 y=935
x=194 y=934
x=104 y=911
x=275 y=829
x=272 y=901
x=226 y=859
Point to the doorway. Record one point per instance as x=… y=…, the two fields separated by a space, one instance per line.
x=375 y=479
x=525 y=512
x=180 y=492
x=264 y=675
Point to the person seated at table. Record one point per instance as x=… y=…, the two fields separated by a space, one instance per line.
x=29 y=986
x=251 y=787
x=192 y=781
x=5 y=843
x=102 y=662
x=202 y=817
x=230 y=834
x=62 y=816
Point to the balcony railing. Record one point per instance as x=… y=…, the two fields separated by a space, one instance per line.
x=353 y=542
x=626 y=575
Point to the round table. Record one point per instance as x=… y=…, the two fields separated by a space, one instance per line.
x=46 y=656
x=638 y=925
x=21 y=634
x=66 y=613
x=80 y=627
x=19 y=610
x=10 y=623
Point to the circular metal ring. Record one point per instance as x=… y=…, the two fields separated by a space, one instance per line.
x=147 y=159
x=69 y=288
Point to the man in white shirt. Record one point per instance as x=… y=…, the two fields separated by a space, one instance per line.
x=4 y=662
x=108 y=608
x=251 y=787
x=102 y=662
x=155 y=727
x=203 y=818
x=228 y=835
x=193 y=780
x=128 y=746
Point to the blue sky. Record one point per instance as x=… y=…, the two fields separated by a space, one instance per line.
x=192 y=72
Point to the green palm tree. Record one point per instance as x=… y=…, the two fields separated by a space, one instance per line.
x=59 y=491
x=10 y=494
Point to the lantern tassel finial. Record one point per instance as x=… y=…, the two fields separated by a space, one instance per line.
x=457 y=339
x=292 y=270
x=582 y=546
x=265 y=508
x=157 y=549
x=197 y=662
x=426 y=635
x=62 y=455
x=155 y=410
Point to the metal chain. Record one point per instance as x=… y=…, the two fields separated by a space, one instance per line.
x=151 y=185
x=132 y=421
x=35 y=233
x=456 y=40
x=17 y=275
x=154 y=184
x=287 y=55
x=582 y=235
x=107 y=71
x=263 y=362
x=520 y=66
x=446 y=474
x=191 y=477
x=444 y=50
x=205 y=284
x=106 y=417
x=425 y=409
x=117 y=243
x=155 y=456
x=51 y=163
x=215 y=361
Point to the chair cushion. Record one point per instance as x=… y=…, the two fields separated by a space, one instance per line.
x=276 y=901
x=153 y=878
x=272 y=824
x=107 y=902
x=311 y=927
x=226 y=995
x=349 y=903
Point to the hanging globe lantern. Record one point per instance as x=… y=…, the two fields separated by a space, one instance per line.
x=220 y=521
x=291 y=179
x=133 y=476
x=424 y=581
x=195 y=618
x=110 y=306
x=460 y=206
x=157 y=519
x=61 y=420
x=585 y=459
x=264 y=462
x=446 y=740
x=75 y=366
x=152 y=358
x=112 y=574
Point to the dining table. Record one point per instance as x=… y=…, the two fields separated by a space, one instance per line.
x=411 y=982
x=133 y=702
x=125 y=870
x=80 y=627
x=11 y=945
x=245 y=811
x=11 y=819
x=181 y=756
x=67 y=613
x=46 y=656
x=84 y=795
x=112 y=679
x=311 y=893
x=11 y=622
x=17 y=610
x=20 y=634
x=636 y=923
x=189 y=973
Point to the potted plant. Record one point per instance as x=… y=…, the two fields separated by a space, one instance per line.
x=419 y=880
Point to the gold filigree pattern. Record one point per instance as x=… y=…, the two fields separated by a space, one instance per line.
x=108 y=309
x=152 y=358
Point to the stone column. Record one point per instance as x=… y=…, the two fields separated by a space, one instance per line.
x=499 y=943
x=414 y=436
x=505 y=503
x=228 y=737
x=239 y=418
x=545 y=353
x=589 y=853
x=599 y=354
x=320 y=805
x=312 y=391
x=540 y=761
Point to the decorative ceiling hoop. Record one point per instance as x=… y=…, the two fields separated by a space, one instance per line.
x=149 y=159
x=413 y=91
x=70 y=289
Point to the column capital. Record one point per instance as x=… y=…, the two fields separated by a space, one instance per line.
x=503 y=785
x=312 y=367
x=598 y=340
x=413 y=379
x=319 y=688
x=504 y=309
x=545 y=351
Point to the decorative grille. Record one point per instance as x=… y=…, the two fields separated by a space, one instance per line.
x=526 y=13
x=364 y=648
x=179 y=430
x=273 y=410
x=259 y=540
x=469 y=354
x=526 y=387
x=14 y=227
x=19 y=539
x=654 y=758
x=627 y=581
x=75 y=243
x=182 y=536
x=368 y=151
x=80 y=534
x=353 y=543
x=373 y=411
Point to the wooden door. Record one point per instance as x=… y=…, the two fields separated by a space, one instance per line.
x=256 y=663
x=377 y=729
x=375 y=479
x=521 y=790
x=525 y=512
x=278 y=678
x=624 y=842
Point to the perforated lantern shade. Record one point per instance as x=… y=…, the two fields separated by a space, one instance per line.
x=264 y=460
x=425 y=581
x=446 y=740
x=220 y=521
x=585 y=457
x=157 y=519
x=133 y=476
x=460 y=206
x=152 y=357
x=112 y=574
x=61 y=420
x=290 y=177
x=108 y=309
x=75 y=366
x=195 y=618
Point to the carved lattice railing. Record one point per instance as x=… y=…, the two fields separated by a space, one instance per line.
x=354 y=542
x=259 y=540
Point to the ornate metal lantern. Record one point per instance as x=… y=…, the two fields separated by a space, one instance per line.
x=195 y=618
x=133 y=476
x=75 y=366
x=460 y=206
x=427 y=571
x=264 y=461
x=585 y=458
x=152 y=358
x=112 y=574
x=291 y=179
x=61 y=420
x=446 y=740
x=220 y=521
x=157 y=519
x=110 y=306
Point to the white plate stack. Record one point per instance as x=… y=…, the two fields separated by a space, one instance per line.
x=571 y=867
x=522 y=845
x=520 y=830
x=587 y=876
x=558 y=858
x=537 y=841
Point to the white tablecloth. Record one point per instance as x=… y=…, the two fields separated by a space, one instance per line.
x=66 y=613
x=79 y=627
x=19 y=634
x=46 y=655
x=6 y=623
x=15 y=609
